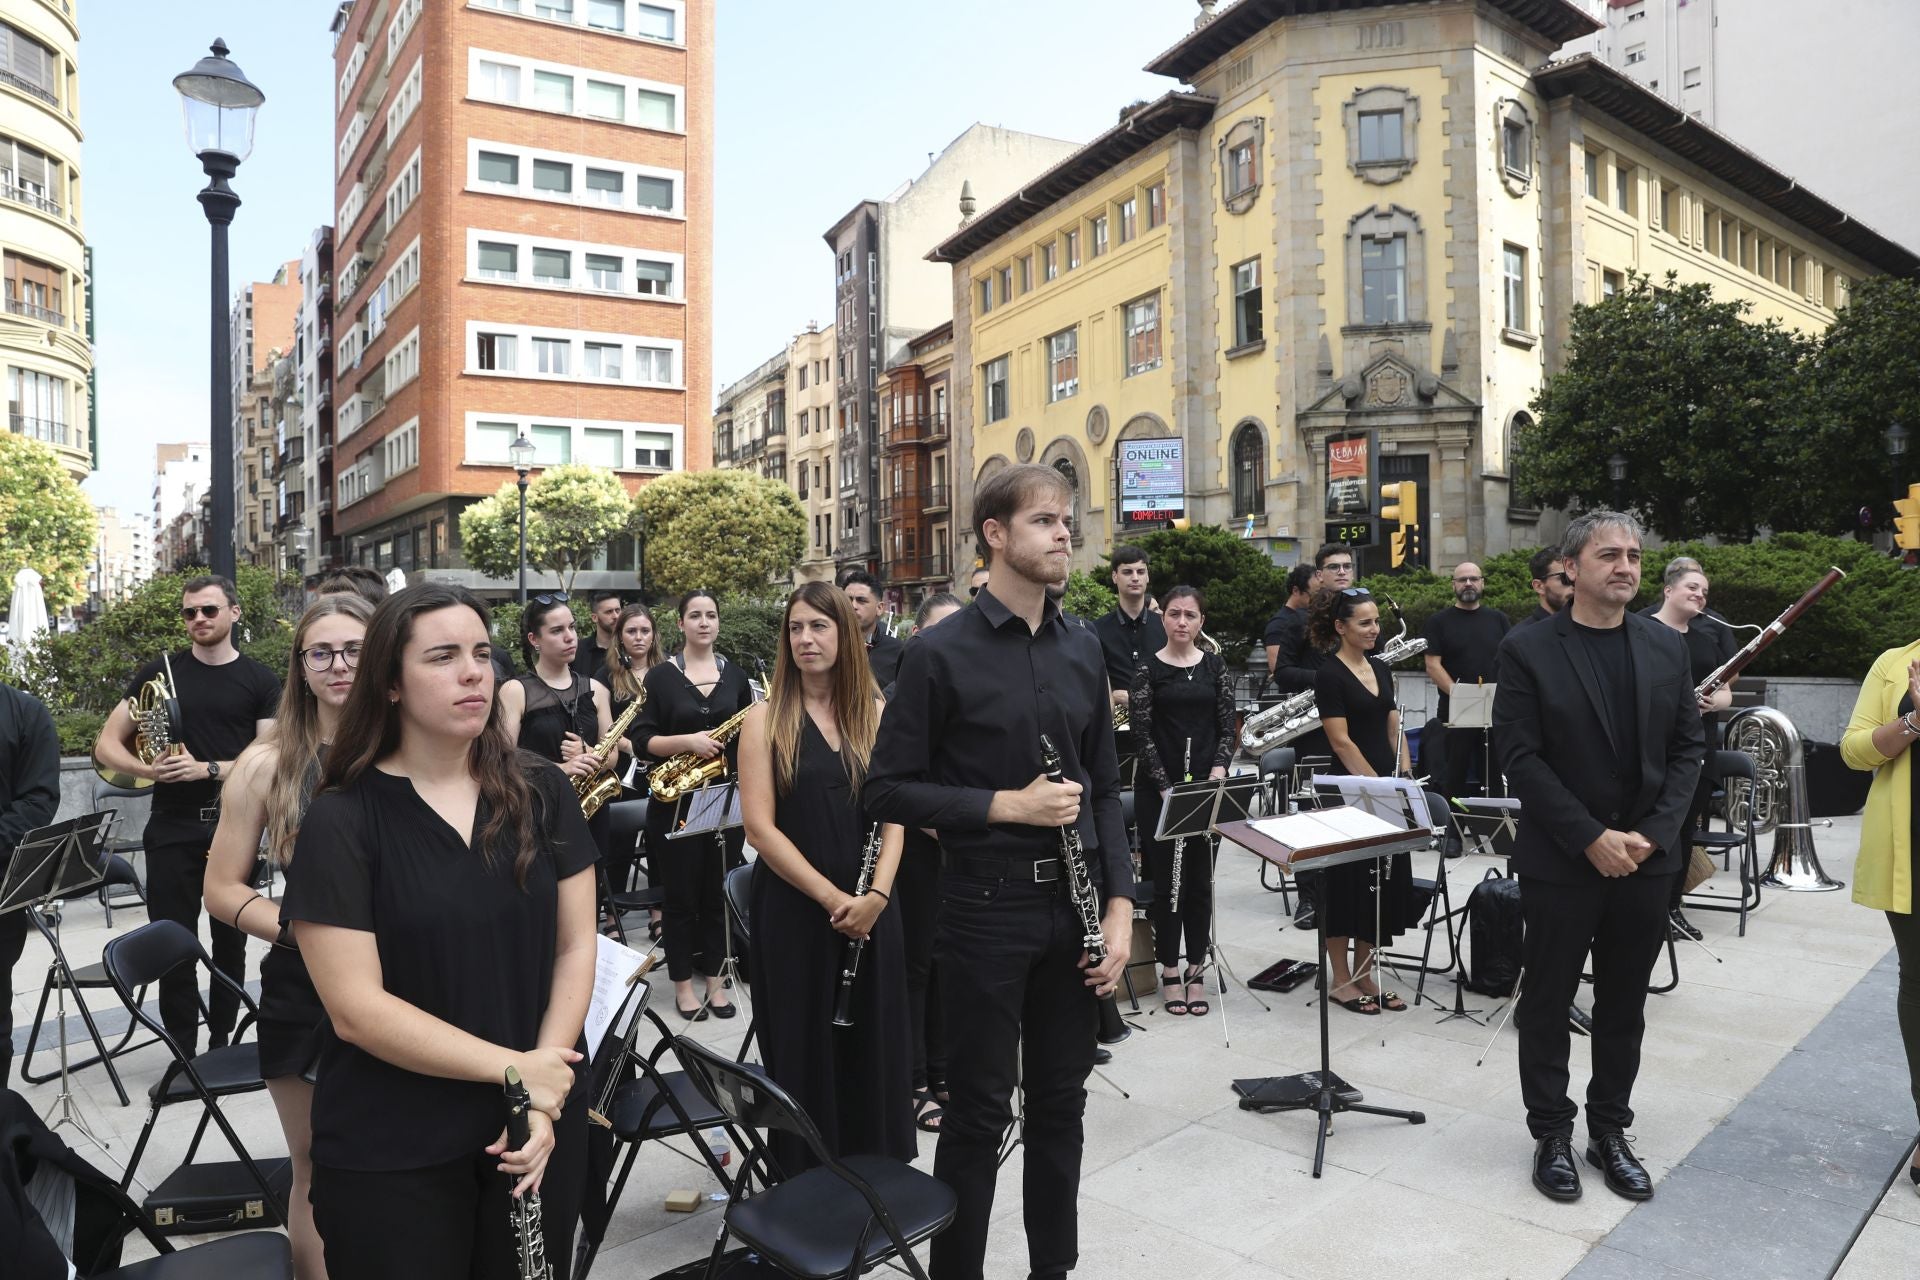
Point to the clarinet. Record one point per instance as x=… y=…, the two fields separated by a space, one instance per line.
x=1113 y=1028
x=1180 y=844
x=850 y=965
x=529 y=1236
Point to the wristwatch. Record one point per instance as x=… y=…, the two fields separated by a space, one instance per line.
x=213 y=771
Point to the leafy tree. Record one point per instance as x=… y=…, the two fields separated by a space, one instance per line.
x=572 y=511
x=1243 y=588
x=1865 y=379
x=1087 y=596
x=727 y=531
x=1710 y=411
x=46 y=522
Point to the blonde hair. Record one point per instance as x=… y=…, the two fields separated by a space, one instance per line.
x=854 y=706
x=623 y=677
x=295 y=734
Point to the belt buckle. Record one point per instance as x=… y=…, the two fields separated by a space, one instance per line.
x=1039 y=877
x=210 y=813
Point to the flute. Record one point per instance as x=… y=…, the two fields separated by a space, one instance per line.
x=850 y=965
x=529 y=1235
x=1180 y=843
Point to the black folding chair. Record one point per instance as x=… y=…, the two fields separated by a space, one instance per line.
x=738 y=887
x=136 y=961
x=1276 y=770
x=1732 y=766
x=1435 y=902
x=841 y=1218
x=122 y=881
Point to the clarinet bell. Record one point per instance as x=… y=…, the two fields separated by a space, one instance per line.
x=1113 y=1027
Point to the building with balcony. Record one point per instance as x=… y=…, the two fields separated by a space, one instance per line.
x=303 y=472
x=750 y=421
x=916 y=480
x=810 y=445
x=523 y=245
x=262 y=332
x=181 y=475
x=122 y=559
x=1371 y=221
x=44 y=337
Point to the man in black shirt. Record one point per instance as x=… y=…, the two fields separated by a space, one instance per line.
x=29 y=794
x=226 y=700
x=1132 y=632
x=1598 y=734
x=1286 y=635
x=959 y=752
x=591 y=655
x=1463 y=644
x=883 y=647
x=1550 y=583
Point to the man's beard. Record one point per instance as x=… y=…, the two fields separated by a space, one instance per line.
x=1034 y=567
x=1468 y=595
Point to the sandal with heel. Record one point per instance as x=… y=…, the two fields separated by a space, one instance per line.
x=1175 y=1005
x=1197 y=1008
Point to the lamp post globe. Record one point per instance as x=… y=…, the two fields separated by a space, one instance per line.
x=1617 y=472
x=521 y=452
x=219 y=105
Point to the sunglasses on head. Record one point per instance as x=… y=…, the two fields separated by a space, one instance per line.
x=1355 y=591
x=548 y=599
x=190 y=611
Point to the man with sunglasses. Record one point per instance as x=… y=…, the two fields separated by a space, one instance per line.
x=226 y=700
x=1463 y=646
x=976 y=582
x=1551 y=583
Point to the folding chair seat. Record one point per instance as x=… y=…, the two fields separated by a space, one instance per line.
x=252 y=1255
x=841 y=1218
x=1276 y=769
x=122 y=882
x=1733 y=766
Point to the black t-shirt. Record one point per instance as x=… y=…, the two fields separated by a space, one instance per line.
x=1709 y=641
x=1467 y=642
x=1126 y=642
x=220 y=711
x=1339 y=695
x=590 y=656
x=1611 y=656
x=458 y=938
x=883 y=656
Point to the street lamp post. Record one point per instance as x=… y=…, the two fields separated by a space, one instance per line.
x=219 y=104
x=521 y=451
x=1617 y=472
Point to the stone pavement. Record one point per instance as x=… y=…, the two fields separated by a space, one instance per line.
x=1772 y=1104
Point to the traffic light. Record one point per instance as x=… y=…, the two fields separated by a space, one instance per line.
x=1400 y=502
x=1906 y=520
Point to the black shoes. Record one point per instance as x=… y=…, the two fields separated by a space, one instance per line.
x=1625 y=1175
x=1580 y=1020
x=1554 y=1170
x=1683 y=927
x=1304 y=919
x=1102 y=1056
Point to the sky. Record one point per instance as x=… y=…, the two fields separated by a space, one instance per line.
x=820 y=106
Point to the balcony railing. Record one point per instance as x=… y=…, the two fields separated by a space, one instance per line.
x=916 y=568
x=31 y=198
x=910 y=503
x=936 y=498
x=50 y=430
x=29 y=87
x=912 y=429
x=34 y=311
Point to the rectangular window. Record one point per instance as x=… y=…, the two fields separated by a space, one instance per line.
x=1383 y=280
x=1623 y=187
x=37 y=405
x=1143 y=335
x=654 y=278
x=1156 y=205
x=499 y=261
x=654 y=192
x=1099 y=226
x=553 y=175
x=553 y=91
x=607 y=186
x=1610 y=284
x=1248 y=325
x=550 y=355
x=1242 y=171
x=1006 y=284
x=1636 y=54
x=491 y=440
x=603 y=271
x=496 y=352
x=1593 y=174
x=1513 y=147
x=552 y=446
x=607 y=15
x=1669 y=208
x=994 y=375
x=497 y=167
x=1026 y=274
x=606 y=101
x=601 y=446
x=1063 y=363
x=656 y=22
x=552 y=266
x=603 y=360
x=652 y=449
x=1514 y=281
x=499 y=81
x=986 y=294
x=655 y=365
x=656 y=110
x=1382 y=136
x=1073 y=249
x=1049 y=262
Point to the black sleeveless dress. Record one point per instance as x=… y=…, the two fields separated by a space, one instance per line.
x=1365 y=900
x=550 y=715
x=291 y=1015
x=856 y=1082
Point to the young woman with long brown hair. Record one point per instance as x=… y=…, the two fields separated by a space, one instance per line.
x=261 y=808
x=803 y=756
x=445 y=907
x=636 y=651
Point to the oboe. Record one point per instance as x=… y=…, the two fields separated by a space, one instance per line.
x=1113 y=1028
x=1180 y=843
x=850 y=965
x=529 y=1236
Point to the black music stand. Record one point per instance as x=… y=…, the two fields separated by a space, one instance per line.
x=51 y=863
x=1321 y=1092
x=1194 y=810
x=714 y=810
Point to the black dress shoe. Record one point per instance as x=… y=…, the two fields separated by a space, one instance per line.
x=723 y=1010
x=1683 y=926
x=1625 y=1175
x=1554 y=1171
x=1580 y=1020
x=1304 y=919
x=1102 y=1056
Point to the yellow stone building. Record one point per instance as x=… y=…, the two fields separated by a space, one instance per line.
x=1361 y=223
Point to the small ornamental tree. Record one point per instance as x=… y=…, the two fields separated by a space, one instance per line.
x=572 y=512
x=723 y=531
x=46 y=522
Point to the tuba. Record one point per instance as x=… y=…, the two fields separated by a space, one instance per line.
x=1293 y=716
x=157 y=730
x=1780 y=794
x=602 y=785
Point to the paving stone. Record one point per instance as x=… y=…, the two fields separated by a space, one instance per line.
x=1607 y=1263
x=1730 y=1228
x=1799 y=1151
x=1887 y=1249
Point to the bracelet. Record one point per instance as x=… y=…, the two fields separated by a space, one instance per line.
x=243 y=906
x=882 y=892
x=1906 y=723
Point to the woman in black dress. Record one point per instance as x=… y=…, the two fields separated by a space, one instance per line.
x=261 y=806
x=1364 y=901
x=1182 y=716
x=636 y=651
x=694 y=692
x=444 y=906
x=803 y=756
x=550 y=709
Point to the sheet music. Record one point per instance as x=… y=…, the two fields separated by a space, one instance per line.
x=1312 y=828
x=1470 y=706
x=613 y=965
x=1401 y=801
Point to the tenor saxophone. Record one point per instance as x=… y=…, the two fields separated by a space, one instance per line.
x=597 y=788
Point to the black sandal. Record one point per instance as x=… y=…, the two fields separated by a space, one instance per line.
x=926 y=1111
x=1197 y=1008
x=1177 y=1006
x=1359 y=1004
x=1392 y=1003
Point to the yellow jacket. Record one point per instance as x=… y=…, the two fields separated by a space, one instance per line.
x=1883 y=877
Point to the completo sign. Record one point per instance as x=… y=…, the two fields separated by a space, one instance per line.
x=1153 y=480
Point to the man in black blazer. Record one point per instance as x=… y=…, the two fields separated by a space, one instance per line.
x=1598 y=734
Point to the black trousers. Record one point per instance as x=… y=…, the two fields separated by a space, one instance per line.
x=916 y=888
x=1018 y=1014
x=1623 y=922
x=1191 y=917
x=176 y=849
x=1465 y=749
x=1906 y=940
x=693 y=917
x=13 y=940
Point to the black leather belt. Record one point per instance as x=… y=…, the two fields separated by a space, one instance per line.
x=1035 y=870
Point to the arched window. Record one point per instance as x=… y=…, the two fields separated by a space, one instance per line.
x=1249 y=471
x=1065 y=467
x=1517 y=428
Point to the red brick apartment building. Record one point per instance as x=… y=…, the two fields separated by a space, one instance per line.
x=524 y=243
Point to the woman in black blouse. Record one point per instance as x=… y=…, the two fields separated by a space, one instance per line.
x=445 y=907
x=695 y=692
x=636 y=651
x=1182 y=716
x=1364 y=902
x=550 y=709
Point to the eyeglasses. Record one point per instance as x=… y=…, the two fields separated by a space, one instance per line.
x=1337 y=566
x=1470 y=578
x=1564 y=579
x=320 y=657
x=191 y=611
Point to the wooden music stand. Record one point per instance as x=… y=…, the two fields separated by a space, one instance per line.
x=1315 y=840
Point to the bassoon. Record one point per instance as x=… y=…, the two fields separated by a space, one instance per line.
x=1732 y=667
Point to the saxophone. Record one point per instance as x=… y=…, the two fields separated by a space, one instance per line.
x=677 y=775
x=1293 y=716
x=597 y=788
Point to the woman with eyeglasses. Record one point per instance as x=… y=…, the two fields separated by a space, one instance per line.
x=261 y=809
x=803 y=756
x=1710 y=642
x=688 y=696
x=1183 y=719
x=552 y=710
x=444 y=903
x=1364 y=902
